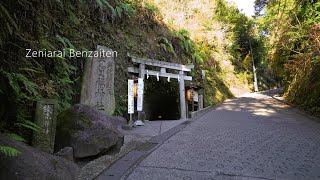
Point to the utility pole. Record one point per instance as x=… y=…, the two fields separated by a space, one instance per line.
x=255 y=81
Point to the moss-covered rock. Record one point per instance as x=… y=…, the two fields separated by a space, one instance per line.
x=88 y=131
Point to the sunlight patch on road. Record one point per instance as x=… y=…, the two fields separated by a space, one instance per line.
x=264 y=112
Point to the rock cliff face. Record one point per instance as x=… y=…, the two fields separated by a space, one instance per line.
x=31 y=163
x=88 y=131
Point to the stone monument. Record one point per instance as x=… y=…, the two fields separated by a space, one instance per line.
x=45 y=118
x=98 y=82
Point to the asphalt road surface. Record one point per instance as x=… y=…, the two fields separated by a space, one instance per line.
x=249 y=137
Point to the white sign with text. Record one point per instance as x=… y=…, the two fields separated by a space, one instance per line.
x=130 y=96
x=140 y=94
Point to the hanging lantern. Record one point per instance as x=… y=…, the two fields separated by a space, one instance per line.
x=192 y=92
x=189 y=94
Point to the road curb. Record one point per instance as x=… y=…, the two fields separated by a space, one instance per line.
x=200 y=112
x=298 y=110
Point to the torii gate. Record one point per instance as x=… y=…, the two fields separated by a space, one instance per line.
x=143 y=62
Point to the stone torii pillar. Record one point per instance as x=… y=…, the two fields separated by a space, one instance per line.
x=141 y=75
x=182 y=96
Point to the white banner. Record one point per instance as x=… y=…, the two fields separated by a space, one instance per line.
x=130 y=96
x=140 y=94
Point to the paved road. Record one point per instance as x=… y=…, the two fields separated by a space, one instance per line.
x=250 y=137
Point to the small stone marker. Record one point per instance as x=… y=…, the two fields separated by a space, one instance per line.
x=46 y=116
x=200 y=102
x=98 y=82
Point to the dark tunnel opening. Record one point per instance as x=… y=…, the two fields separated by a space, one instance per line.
x=161 y=99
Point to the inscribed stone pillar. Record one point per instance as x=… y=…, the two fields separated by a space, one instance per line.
x=98 y=82
x=45 y=118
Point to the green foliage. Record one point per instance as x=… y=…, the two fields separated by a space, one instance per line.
x=29 y=125
x=15 y=137
x=23 y=80
x=247 y=62
x=122 y=105
x=292 y=30
x=8 y=24
x=189 y=47
x=197 y=58
x=185 y=41
x=151 y=8
x=126 y=8
x=66 y=43
x=23 y=88
x=167 y=46
x=118 y=9
x=243 y=32
x=9 y=151
x=316 y=60
x=245 y=76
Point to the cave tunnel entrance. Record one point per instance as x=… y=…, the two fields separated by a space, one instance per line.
x=161 y=99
